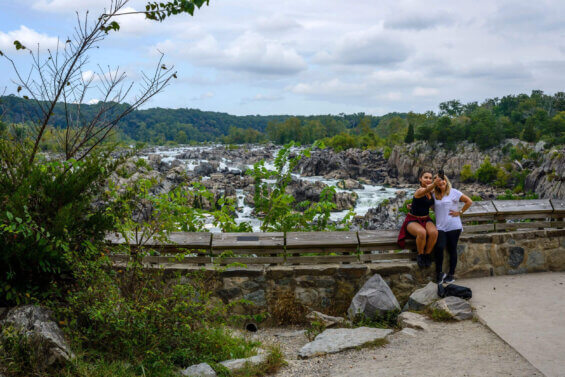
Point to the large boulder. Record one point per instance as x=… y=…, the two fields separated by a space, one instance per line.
x=46 y=338
x=457 y=307
x=373 y=300
x=422 y=297
x=204 y=169
x=337 y=340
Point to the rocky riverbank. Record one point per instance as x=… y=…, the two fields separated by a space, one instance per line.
x=364 y=178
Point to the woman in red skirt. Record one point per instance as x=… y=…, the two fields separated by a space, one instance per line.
x=418 y=223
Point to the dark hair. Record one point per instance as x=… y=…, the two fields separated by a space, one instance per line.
x=424 y=171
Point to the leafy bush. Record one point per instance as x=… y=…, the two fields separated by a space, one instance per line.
x=150 y=321
x=467 y=174
x=487 y=172
x=46 y=210
x=278 y=209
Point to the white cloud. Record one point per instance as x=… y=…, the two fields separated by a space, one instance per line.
x=334 y=87
x=424 y=92
x=250 y=52
x=277 y=24
x=93 y=101
x=67 y=6
x=370 y=47
x=28 y=37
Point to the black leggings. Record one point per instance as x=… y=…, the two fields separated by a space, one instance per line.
x=448 y=239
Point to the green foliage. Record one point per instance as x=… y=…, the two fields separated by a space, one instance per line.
x=487 y=172
x=409 y=134
x=315 y=329
x=147 y=319
x=440 y=315
x=20 y=356
x=277 y=208
x=467 y=174
x=158 y=11
x=509 y=195
x=46 y=211
x=385 y=320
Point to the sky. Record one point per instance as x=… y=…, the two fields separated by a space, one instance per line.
x=315 y=56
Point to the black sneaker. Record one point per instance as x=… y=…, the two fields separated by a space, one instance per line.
x=441 y=277
x=449 y=279
x=420 y=261
x=428 y=260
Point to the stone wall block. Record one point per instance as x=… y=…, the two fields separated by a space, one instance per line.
x=279 y=272
x=515 y=256
x=556 y=260
x=535 y=261
x=355 y=271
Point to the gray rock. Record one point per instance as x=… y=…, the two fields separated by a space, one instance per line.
x=516 y=256
x=46 y=337
x=457 y=307
x=337 y=340
x=326 y=320
x=204 y=169
x=199 y=370
x=374 y=299
x=237 y=364
x=412 y=321
x=422 y=297
x=257 y=297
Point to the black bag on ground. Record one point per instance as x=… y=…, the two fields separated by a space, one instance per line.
x=454 y=290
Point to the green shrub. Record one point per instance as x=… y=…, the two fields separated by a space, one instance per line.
x=467 y=174
x=487 y=172
x=144 y=318
x=46 y=210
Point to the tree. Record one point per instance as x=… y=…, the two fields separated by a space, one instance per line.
x=58 y=76
x=409 y=134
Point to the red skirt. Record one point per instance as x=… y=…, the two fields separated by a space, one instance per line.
x=404 y=233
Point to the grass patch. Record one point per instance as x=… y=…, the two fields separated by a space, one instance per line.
x=274 y=361
x=439 y=315
x=373 y=344
x=314 y=330
x=287 y=310
x=388 y=320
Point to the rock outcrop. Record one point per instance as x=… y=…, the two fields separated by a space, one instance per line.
x=548 y=180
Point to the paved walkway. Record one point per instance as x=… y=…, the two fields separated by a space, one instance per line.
x=528 y=312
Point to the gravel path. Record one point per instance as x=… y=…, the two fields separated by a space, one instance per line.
x=446 y=349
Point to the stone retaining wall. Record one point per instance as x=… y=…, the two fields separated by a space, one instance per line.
x=330 y=288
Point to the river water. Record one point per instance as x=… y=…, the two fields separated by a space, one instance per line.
x=368 y=197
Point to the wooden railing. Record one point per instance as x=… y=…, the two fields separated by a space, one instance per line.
x=339 y=247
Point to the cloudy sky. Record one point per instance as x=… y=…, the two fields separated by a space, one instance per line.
x=318 y=56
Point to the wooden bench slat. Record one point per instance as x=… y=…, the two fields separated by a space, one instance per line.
x=300 y=240
x=322 y=259
x=386 y=256
x=480 y=208
x=478 y=228
x=530 y=225
x=250 y=260
x=558 y=206
x=522 y=207
x=233 y=241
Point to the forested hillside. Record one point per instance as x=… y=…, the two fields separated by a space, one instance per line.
x=533 y=117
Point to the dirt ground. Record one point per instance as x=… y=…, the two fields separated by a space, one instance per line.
x=445 y=349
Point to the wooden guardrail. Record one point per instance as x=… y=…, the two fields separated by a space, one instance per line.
x=340 y=247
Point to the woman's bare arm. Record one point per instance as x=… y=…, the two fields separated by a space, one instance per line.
x=426 y=190
x=468 y=203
